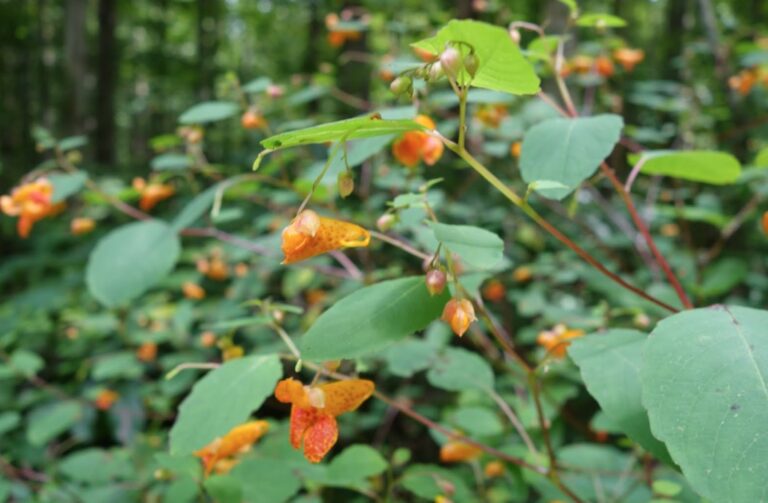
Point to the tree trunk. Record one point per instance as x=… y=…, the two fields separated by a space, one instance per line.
x=106 y=83
x=75 y=65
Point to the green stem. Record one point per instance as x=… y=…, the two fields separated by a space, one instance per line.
x=462 y=117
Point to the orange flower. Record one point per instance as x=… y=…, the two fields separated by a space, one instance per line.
x=337 y=38
x=309 y=235
x=147 y=352
x=215 y=268
x=30 y=202
x=425 y=55
x=239 y=438
x=581 y=64
x=515 y=149
x=456 y=451
x=252 y=119
x=314 y=411
x=105 y=399
x=765 y=222
x=556 y=341
x=743 y=82
x=628 y=58
x=193 y=291
x=493 y=469
x=79 y=226
x=522 y=274
x=491 y=115
x=604 y=66
x=152 y=193
x=241 y=269
x=459 y=313
x=207 y=339
x=416 y=146
x=494 y=291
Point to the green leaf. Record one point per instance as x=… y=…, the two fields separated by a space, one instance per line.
x=406 y=358
x=209 y=111
x=26 y=362
x=429 y=481
x=350 y=129
x=355 y=464
x=96 y=466
x=477 y=247
x=601 y=21
x=478 y=421
x=130 y=260
x=72 y=142
x=502 y=66
x=117 y=365
x=47 y=422
x=171 y=161
x=66 y=184
x=258 y=85
x=706 y=166
x=372 y=318
x=572 y=6
x=704 y=379
x=457 y=369
x=196 y=208
x=224 y=488
x=8 y=421
x=722 y=276
x=567 y=151
x=267 y=480
x=223 y=399
x=761 y=160
x=610 y=366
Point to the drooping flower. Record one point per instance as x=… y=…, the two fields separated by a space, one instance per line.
x=253 y=119
x=628 y=58
x=604 y=66
x=494 y=291
x=30 y=202
x=556 y=341
x=435 y=280
x=147 y=352
x=314 y=410
x=457 y=451
x=105 y=399
x=193 y=291
x=81 y=225
x=416 y=146
x=152 y=193
x=309 y=235
x=236 y=440
x=459 y=314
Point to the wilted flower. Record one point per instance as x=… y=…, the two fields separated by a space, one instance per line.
x=309 y=235
x=238 y=439
x=435 y=280
x=459 y=314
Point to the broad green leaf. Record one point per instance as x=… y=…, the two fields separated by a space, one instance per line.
x=354 y=465
x=224 y=488
x=130 y=260
x=567 y=151
x=476 y=247
x=9 y=421
x=116 y=366
x=704 y=379
x=722 y=276
x=572 y=6
x=542 y=47
x=478 y=421
x=457 y=369
x=408 y=357
x=223 y=399
x=26 y=362
x=429 y=481
x=601 y=21
x=706 y=166
x=610 y=366
x=171 y=161
x=97 y=466
x=209 y=111
x=372 y=318
x=66 y=184
x=72 y=142
x=258 y=85
x=502 y=66
x=47 y=422
x=761 y=160
x=350 y=129
x=196 y=208
x=267 y=480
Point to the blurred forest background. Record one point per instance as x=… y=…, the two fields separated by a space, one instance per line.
x=121 y=72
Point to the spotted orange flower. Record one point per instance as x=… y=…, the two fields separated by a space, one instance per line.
x=456 y=451
x=147 y=352
x=105 y=399
x=152 y=193
x=628 y=58
x=236 y=440
x=309 y=235
x=556 y=341
x=314 y=410
x=416 y=146
x=459 y=314
x=604 y=66
x=30 y=202
x=79 y=226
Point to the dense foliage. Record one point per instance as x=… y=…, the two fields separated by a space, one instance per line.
x=379 y=253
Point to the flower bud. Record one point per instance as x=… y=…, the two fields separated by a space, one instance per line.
x=435 y=280
x=459 y=314
x=275 y=91
x=401 y=85
x=346 y=183
x=306 y=223
x=450 y=61
x=386 y=222
x=435 y=72
x=514 y=34
x=471 y=64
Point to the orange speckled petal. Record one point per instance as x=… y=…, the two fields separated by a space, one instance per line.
x=289 y=391
x=407 y=150
x=346 y=396
x=320 y=437
x=24 y=226
x=332 y=235
x=242 y=436
x=301 y=419
x=425 y=121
